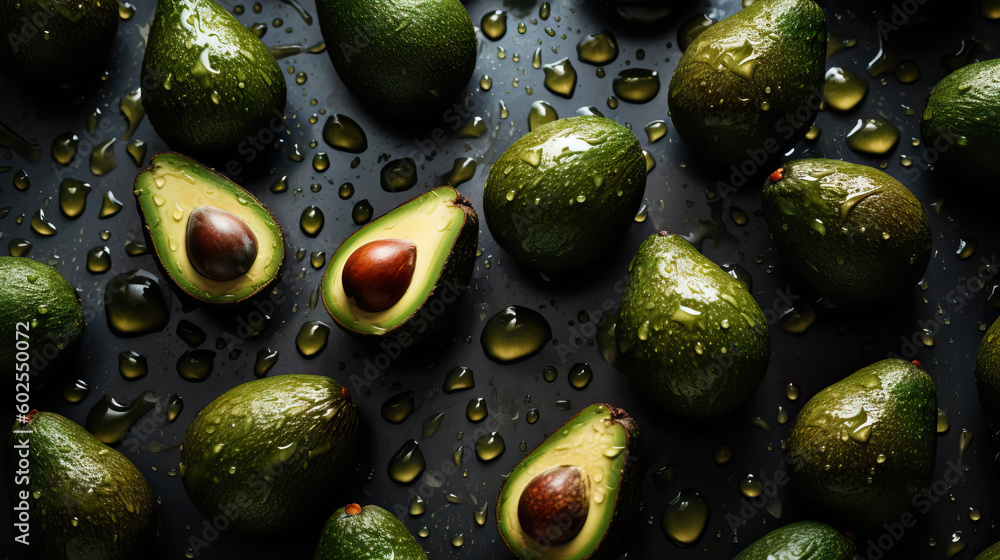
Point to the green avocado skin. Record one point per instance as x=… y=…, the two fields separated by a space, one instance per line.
x=987 y=370
x=48 y=41
x=689 y=335
x=87 y=501
x=269 y=453
x=991 y=553
x=222 y=108
x=959 y=122
x=565 y=193
x=27 y=285
x=861 y=448
x=805 y=540
x=373 y=534
x=852 y=233
x=752 y=82
x=402 y=58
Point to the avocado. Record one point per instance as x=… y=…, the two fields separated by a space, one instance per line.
x=752 y=82
x=805 y=539
x=987 y=370
x=400 y=276
x=574 y=495
x=41 y=319
x=991 y=553
x=565 y=193
x=215 y=240
x=402 y=58
x=368 y=533
x=209 y=85
x=959 y=122
x=86 y=500
x=861 y=448
x=689 y=335
x=49 y=41
x=851 y=232
x=269 y=453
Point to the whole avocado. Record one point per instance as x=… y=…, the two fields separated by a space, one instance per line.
x=851 y=232
x=87 y=501
x=751 y=83
x=991 y=553
x=987 y=370
x=805 y=539
x=50 y=41
x=861 y=448
x=402 y=58
x=366 y=533
x=565 y=193
x=41 y=319
x=209 y=85
x=960 y=122
x=269 y=453
x=689 y=335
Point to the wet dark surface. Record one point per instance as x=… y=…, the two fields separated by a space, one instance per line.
x=683 y=196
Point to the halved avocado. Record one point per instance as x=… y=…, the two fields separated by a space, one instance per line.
x=215 y=240
x=405 y=270
x=571 y=497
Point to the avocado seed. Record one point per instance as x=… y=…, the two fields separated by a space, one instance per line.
x=220 y=245
x=377 y=274
x=554 y=505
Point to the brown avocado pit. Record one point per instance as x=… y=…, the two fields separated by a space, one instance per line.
x=377 y=274
x=553 y=507
x=220 y=245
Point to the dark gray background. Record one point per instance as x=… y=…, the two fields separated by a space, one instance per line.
x=682 y=198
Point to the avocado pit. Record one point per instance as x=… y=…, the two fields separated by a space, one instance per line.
x=553 y=507
x=220 y=245
x=378 y=273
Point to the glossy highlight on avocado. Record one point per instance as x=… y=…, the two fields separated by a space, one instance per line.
x=574 y=495
x=805 y=539
x=751 y=83
x=373 y=288
x=274 y=450
x=87 y=501
x=689 y=335
x=861 y=448
x=565 y=193
x=851 y=232
x=215 y=240
x=366 y=533
x=209 y=85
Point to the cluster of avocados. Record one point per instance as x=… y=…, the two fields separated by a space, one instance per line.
x=266 y=455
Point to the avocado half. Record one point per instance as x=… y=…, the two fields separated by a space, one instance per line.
x=597 y=451
x=443 y=229
x=174 y=189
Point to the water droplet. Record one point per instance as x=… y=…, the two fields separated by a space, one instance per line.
x=41 y=224
x=398 y=408
x=560 y=77
x=102 y=158
x=655 y=131
x=135 y=304
x=266 y=358
x=489 y=447
x=417 y=506
x=312 y=338
x=844 y=89
x=637 y=85
x=407 y=464
x=580 y=375
x=19 y=247
x=73 y=197
x=463 y=170
x=494 y=25
x=460 y=378
x=64 y=147
x=875 y=136
x=362 y=212
x=131 y=107
x=431 y=425
x=750 y=486
x=476 y=411
x=99 y=260
x=399 y=175
x=321 y=162
x=722 y=454
x=343 y=133
x=691 y=29
x=685 y=517
x=598 y=49
x=75 y=391
x=541 y=112
x=531 y=416
x=515 y=333
x=196 y=365
x=792 y=392
x=110 y=420
x=345 y=191
x=311 y=221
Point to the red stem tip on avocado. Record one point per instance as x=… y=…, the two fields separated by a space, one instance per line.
x=352 y=509
x=778 y=174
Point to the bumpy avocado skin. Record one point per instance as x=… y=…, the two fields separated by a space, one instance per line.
x=752 y=83
x=805 y=539
x=371 y=534
x=851 y=232
x=959 y=123
x=861 y=448
x=987 y=370
x=689 y=335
